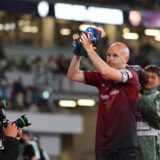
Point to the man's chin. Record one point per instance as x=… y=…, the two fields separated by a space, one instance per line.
x=148 y=87
x=111 y=65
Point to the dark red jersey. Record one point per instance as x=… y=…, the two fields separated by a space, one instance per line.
x=116 y=126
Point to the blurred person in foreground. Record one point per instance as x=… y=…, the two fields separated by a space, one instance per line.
x=116 y=136
x=43 y=154
x=149 y=104
x=10 y=136
x=27 y=148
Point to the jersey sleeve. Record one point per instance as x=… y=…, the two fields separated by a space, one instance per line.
x=131 y=81
x=126 y=74
x=92 y=78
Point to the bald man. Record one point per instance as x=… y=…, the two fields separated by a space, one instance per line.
x=116 y=137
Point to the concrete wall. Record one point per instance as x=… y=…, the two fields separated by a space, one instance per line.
x=84 y=144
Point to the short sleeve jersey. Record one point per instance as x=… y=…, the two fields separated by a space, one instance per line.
x=116 y=126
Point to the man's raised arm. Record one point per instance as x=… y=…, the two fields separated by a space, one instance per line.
x=74 y=72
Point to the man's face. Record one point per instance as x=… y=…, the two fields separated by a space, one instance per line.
x=153 y=80
x=116 y=58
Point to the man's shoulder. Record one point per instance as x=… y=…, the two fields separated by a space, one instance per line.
x=134 y=73
x=129 y=75
x=127 y=71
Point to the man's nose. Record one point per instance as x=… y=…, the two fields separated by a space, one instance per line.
x=149 y=79
x=110 y=58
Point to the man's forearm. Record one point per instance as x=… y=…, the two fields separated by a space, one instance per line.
x=74 y=66
x=102 y=67
x=98 y=63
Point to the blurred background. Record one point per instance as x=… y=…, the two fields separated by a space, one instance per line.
x=35 y=52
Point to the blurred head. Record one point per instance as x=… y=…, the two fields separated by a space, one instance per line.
x=153 y=76
x=25 y=136
x=118 y=55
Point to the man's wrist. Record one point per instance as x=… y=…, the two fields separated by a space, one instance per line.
x=89 y=50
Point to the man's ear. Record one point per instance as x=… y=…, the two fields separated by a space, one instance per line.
x=126 y=58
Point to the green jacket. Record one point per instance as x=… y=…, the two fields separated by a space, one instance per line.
x=149 y=106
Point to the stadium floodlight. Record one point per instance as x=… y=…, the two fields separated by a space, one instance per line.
x=43 y=8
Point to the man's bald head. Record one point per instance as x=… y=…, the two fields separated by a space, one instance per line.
x=123 y=49
x=118 y=55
